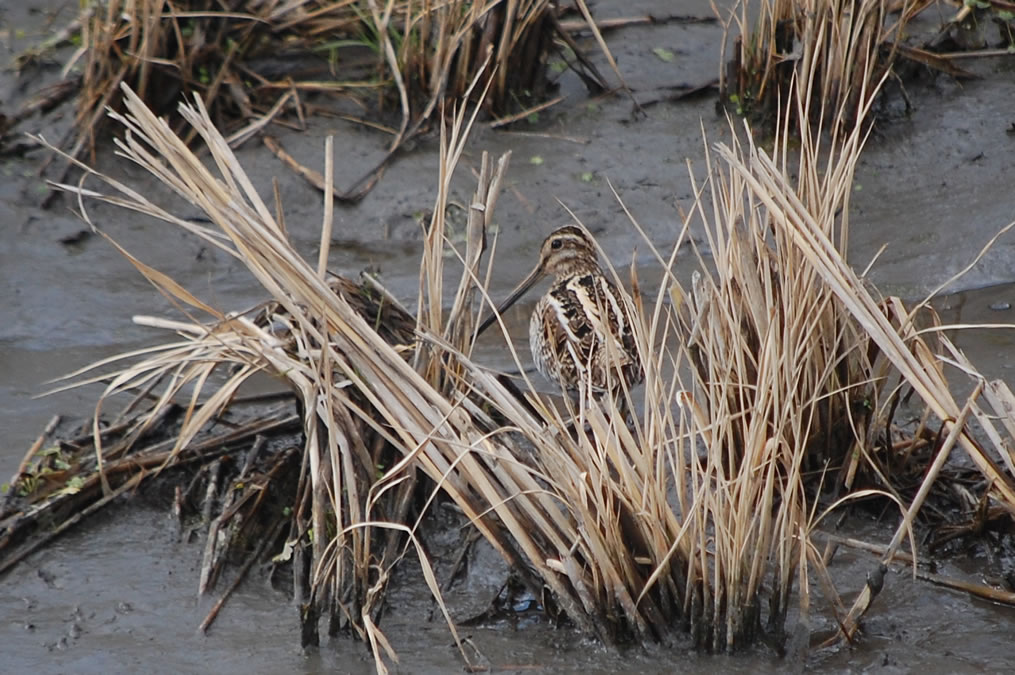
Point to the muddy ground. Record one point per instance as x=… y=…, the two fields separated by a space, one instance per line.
x=120 y=593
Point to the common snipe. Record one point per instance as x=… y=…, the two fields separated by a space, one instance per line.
x=580 y=332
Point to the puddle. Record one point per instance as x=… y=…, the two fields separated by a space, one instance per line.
x=120 y=594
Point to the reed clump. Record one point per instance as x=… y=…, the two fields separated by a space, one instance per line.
x=774 y=374
x=254 y=61
x=774 y=36
x=771 y=36
x=775 y=371
x=347 y=350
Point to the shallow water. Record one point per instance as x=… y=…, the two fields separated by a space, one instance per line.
x=120 y=593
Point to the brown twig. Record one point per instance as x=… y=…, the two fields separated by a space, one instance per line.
x=504 y=121
x=876 y=549
x=470 y=539
x=957 y=428
x=578 y=25
x=315 y=179
x=44 y=101
x=941 y=62
x=241 y=136
x=979 y=590
x=242 y=574
x=684 y=93
x=212 y=541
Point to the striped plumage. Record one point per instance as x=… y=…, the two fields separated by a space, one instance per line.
x=580 y=332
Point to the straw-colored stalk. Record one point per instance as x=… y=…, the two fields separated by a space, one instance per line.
x=696 y=514
x=833 y=33
x=315 y=339
x=417 y=54
x=793 y=361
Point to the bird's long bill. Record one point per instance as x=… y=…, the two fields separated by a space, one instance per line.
x=520 y=290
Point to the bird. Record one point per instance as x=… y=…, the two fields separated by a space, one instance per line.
x=580 y=332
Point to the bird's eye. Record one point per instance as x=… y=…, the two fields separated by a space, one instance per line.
x=556 y=243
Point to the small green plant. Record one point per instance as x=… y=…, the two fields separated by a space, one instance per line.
x=664 y=54
x=73 y=485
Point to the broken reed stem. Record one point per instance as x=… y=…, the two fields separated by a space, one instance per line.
x=329 y=206
x=138 y=465
x=850 y=624
x=266 y=541
x=33 y=449
x=956 y=428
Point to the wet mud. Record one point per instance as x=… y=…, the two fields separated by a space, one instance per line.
x=120 y=593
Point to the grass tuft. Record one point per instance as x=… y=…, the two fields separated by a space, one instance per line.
x=844 y=45
x=255 y=61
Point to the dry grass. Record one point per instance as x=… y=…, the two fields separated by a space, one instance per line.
x=257 y=60
x=786 y=373
x=774 y=373
x=352 y=506
x=796 y=366
x=788 y=34
x=293 y=338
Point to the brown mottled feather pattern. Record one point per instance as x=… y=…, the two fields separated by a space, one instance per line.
x=579 y=330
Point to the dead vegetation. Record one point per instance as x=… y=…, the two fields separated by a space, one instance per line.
x=774 y=36
x=252 y=62
x=757 y=79
x=772 y=389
